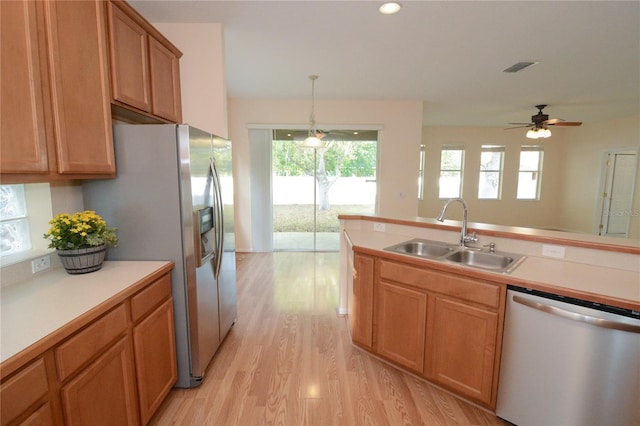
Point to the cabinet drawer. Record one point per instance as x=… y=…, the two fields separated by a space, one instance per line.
x=457 y=286
x=87 y=343
x=23 y=390
x=144 y=301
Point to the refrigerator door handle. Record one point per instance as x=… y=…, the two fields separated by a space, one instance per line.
x=219 y=221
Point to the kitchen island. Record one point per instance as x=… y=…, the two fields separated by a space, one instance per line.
x=444 y=320
x=82 y=347
x=596 y=269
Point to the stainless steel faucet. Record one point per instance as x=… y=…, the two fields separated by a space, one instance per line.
x=464 y=237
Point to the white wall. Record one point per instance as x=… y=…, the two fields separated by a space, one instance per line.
x=401 y=123
x=570 y=181
x=508 y=210
x=202 y=74
x=585 y=147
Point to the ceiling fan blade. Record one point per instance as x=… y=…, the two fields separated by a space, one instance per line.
x=553 y=121
x=567 y=123
x=518 y=127
x=523 y=124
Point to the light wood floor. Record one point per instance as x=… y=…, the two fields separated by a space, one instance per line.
x=288 y=360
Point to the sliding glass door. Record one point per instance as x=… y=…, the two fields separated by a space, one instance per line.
x=312 y=186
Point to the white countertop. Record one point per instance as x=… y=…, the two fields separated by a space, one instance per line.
x=33 y=309
x=543 y=273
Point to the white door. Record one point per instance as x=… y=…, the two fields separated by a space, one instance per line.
x=619 y=170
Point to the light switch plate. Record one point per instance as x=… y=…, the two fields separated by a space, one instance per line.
x=40 y=264
x=377 y=226
x=553 y=251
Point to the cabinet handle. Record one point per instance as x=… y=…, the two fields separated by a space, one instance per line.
x=598 y=322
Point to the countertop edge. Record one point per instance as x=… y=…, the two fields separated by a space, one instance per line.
x=17 y=360
x=504 y=279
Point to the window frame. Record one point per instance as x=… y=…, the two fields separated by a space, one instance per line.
x=540 y=150
x=459 y=170
x=20 y=219
x=500 y=170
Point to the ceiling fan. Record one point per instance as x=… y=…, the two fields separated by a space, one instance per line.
x=540 y=121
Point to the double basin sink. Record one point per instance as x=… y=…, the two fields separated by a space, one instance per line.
x=468 y=256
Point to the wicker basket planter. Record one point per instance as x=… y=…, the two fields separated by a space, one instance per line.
x=84 y=260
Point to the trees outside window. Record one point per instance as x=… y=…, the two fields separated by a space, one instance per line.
x=491 y=165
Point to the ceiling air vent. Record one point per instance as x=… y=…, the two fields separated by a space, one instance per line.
x=519 y=66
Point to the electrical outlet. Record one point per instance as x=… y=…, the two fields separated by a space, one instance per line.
x=40 y=264
x=377 y=226
x=553 y=251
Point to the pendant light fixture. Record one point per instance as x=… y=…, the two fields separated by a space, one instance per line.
x=312 y=141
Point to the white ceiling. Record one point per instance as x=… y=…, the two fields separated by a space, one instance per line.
x=449 y=54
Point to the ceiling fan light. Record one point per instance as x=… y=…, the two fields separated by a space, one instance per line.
x=533 y=134
x=544 y=133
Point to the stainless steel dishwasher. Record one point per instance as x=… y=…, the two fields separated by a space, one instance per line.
x=568 y=362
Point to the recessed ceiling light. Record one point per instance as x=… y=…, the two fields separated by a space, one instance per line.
x=390 y=8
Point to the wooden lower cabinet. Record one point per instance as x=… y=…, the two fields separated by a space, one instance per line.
x=103 y=393
x=155 y=355
x=113 y=370
x=360 y=300
x=400 y=326
x=444 y=326
x=25 y=396
x=462 y=348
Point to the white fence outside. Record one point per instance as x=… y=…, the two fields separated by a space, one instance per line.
x=345 y=191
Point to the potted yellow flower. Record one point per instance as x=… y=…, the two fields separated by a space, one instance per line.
x=81 y=240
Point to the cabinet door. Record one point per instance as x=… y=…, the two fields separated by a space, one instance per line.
x=26 y=394
x=103 y=393
x=400 y=324
x=155 y=355
x=79 y=73
x=165 y=82
x=361 y=303
x=22 y=126
x=129 y=63
x=463 y=348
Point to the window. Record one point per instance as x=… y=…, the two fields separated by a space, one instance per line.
x=14 y=224
x=490 y=182
x=530 y=172
x=451 y=163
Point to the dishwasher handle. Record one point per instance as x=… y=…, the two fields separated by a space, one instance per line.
x=598 y=322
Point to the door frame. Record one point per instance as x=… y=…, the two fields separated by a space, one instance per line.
x=261 y=179
x=604 y=185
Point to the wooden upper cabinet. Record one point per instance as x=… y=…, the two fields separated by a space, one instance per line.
x=22 y=126
x=79 y=76
x=129 y=63
x=145 y=69
x=165 y=82
x=55 y=95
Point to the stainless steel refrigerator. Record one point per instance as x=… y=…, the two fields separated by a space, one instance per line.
x=172 y=199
